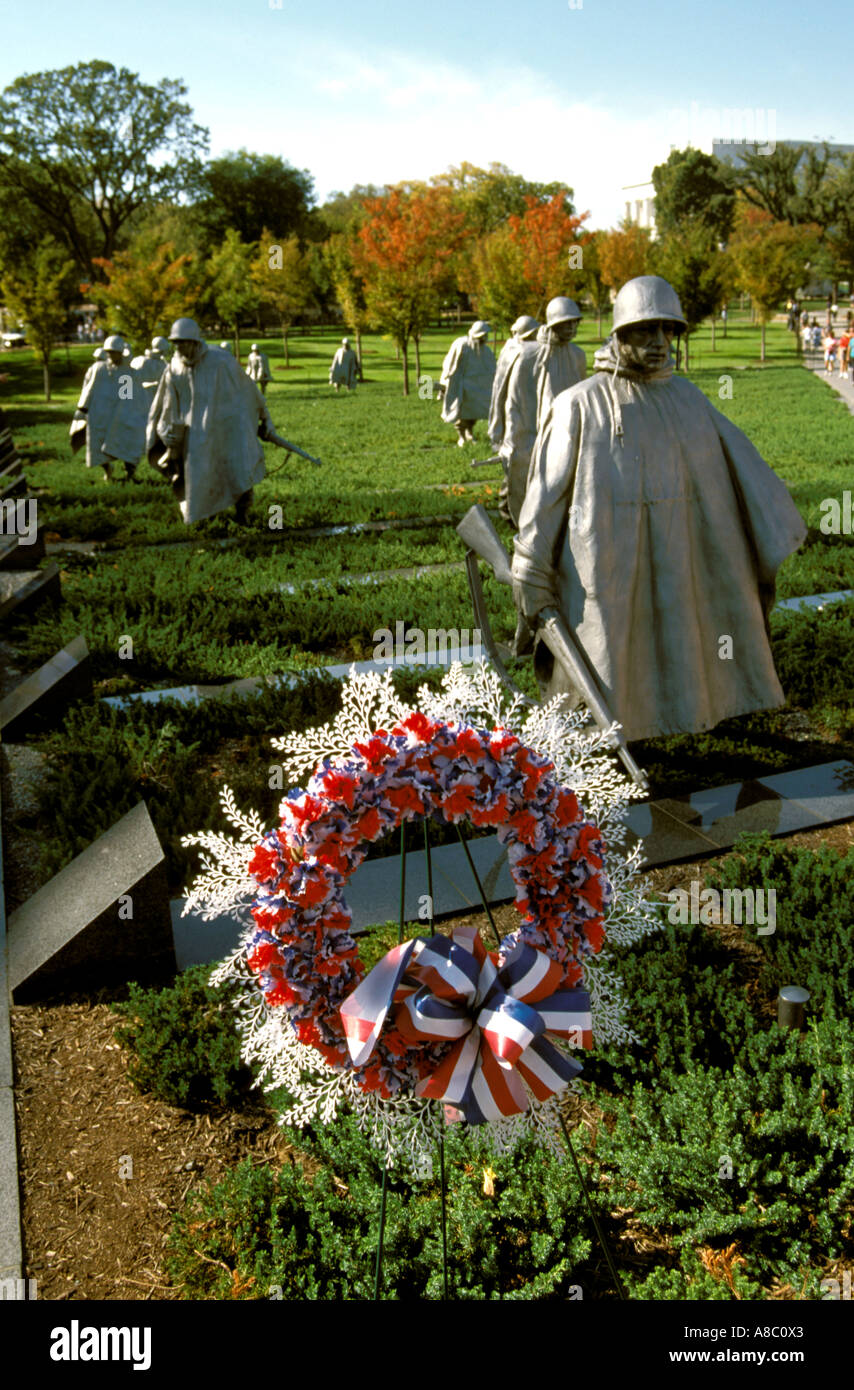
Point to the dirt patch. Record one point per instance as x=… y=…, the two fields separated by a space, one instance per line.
x=103 y=1168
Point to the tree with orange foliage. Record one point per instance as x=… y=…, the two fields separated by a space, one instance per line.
x=624 y=253
x=403 y=253
x=547 y=236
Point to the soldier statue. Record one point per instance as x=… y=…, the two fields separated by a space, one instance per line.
x=560 y=362
x=258 y=368
x=108 y=414
x=345 y=367
x=204 y=428
x=654 y=527
x=513 y=414
x=466 y=381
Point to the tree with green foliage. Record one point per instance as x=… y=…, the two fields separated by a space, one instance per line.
x=593 y=283
x=232 y=288
x=144 y=296
x=770 y=258
x=694 y=187
x=281 y=278
x=344 y=212
x=86 y=147
x=348 y=284
x=40 y=293
x=839 y=225
x=789 y=183
x=624 y=253
x=489 y=197
x=496 y=283
x=689 y=257
x=245 y=193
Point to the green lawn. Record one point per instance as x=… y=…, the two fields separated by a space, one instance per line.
x=207 y=613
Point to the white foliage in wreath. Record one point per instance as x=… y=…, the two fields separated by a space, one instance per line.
x=405 y=1130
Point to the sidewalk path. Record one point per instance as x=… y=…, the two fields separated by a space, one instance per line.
x=814 y=362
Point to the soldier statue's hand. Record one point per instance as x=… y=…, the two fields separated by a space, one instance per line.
x=80 y=414
x=530 y=598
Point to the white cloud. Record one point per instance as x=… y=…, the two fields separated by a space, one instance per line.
x=388 y=117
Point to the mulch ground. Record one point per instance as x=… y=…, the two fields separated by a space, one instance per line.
x=103 y=1168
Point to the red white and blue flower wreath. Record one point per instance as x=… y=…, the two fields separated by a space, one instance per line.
x=489 y=1034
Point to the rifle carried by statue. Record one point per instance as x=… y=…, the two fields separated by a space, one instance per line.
x=484 y=542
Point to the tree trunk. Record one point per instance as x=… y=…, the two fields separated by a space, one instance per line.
x=405 y=365
x=417 y=342
x=46 y=378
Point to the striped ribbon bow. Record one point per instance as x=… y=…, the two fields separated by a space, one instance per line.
x=448 y=989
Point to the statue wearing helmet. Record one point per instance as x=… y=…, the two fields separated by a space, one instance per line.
x=258 y=368
x=512 y=426
x=560 y=363
x=653 y=524
x=344 y=370
x=205 y=428
x=466 y=381
x=110 y=414
x=154 y=366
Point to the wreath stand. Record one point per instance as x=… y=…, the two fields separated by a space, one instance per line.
x=378 y=1268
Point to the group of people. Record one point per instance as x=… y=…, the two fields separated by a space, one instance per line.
x=837 y=352
x=112 y=411
x=190 y=408
x=514 y=395
x=646 y=519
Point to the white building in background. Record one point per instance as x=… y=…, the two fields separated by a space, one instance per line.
x=639 y=199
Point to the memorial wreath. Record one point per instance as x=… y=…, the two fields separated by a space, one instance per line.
x=490 y=1034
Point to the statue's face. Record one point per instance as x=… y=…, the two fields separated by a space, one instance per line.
x=646 y=346
x=564 y=332
x=115 y=357
x=187 y=349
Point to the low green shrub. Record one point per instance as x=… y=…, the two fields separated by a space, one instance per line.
x=296 y=1235
x=687 y=1003
x=813 y=941
x=814 y=654
x=693 y=1281
x=783 y=1117
x=185 y=1048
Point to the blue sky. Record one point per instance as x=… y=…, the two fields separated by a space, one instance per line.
x=593 y=92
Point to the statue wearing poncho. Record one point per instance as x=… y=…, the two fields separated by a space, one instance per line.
x=345 y=367
x=112 y=406
x=467 y=374
x=657 y=528
x=207 y=414
x=512 y=425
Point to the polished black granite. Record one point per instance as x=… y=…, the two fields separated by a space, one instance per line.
x=674 y=829
x=18 y=553
x=47 y=692
x=23 y=590
x=104 y=917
